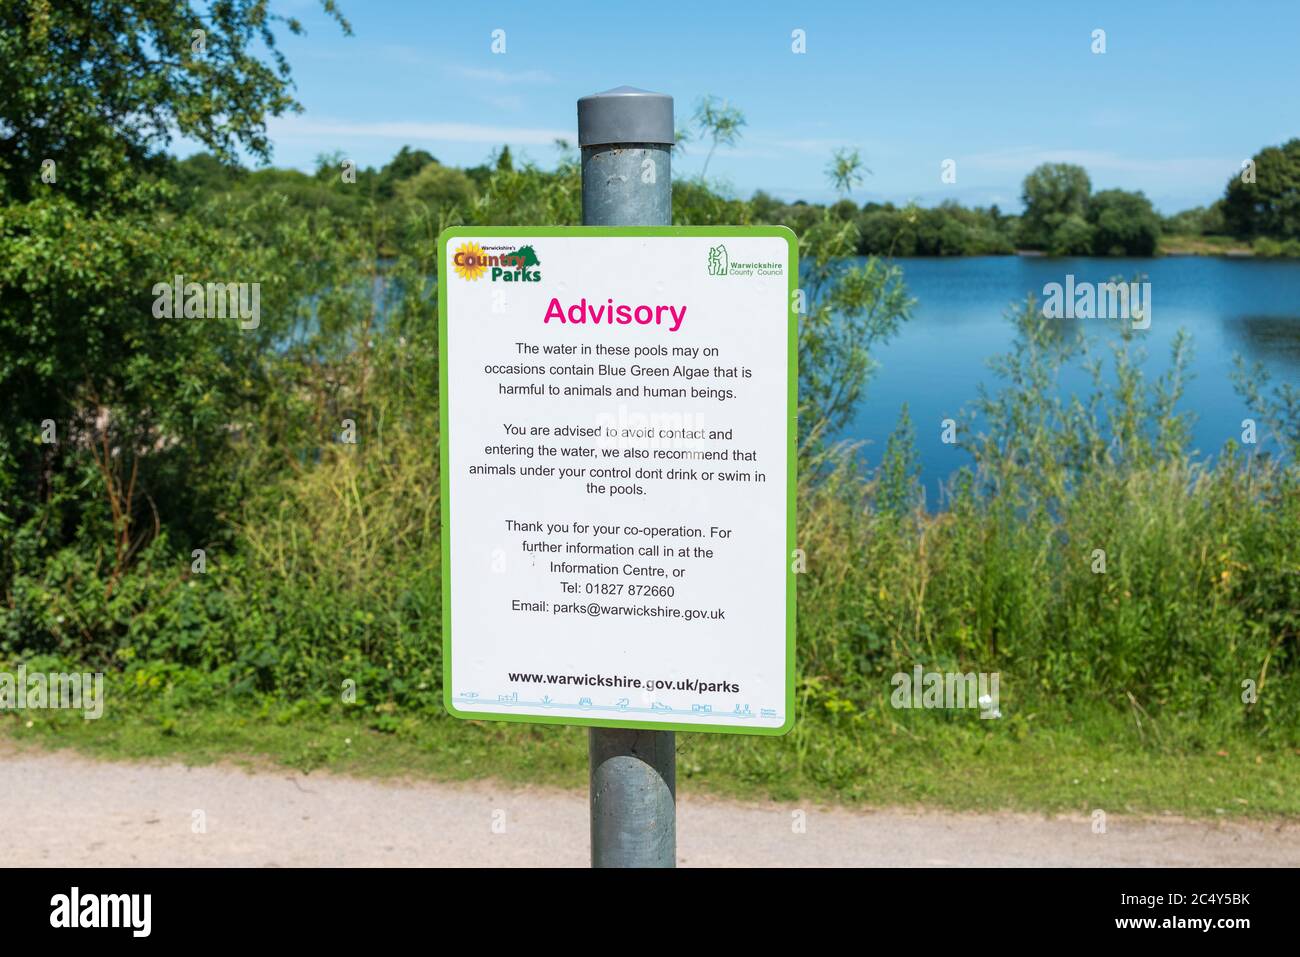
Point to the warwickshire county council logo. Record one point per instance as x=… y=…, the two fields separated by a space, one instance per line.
x=722 y=263
x=718 y=260
x=507 y=265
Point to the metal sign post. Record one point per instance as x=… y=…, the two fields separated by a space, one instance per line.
x=626 y=136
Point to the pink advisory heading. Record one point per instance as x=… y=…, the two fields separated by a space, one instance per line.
x=580 y=313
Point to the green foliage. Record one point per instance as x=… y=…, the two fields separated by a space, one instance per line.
x=696 y=204
x=944 y=230
x=1052 y=193
x=850 y=308
x=81 y=349
x=1278 y=406
x=1124 y=224
x=406 y=162
x=1269 y=206
x=719 y=122
x=292 y=521
x=530 y=195
x=1073 y=236
x=1085 y=555
x=845 y=170
x=1063 y=217
x=898 y=485
x=438 y=187
x=1201 y=221
x=1261 y=204
x=886 y=230
x=799 y=216
x=98 y=89
x=1274 y=248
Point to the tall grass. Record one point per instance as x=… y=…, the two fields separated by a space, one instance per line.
x=1086 y=555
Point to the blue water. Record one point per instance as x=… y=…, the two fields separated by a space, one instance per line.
x=1229 y=307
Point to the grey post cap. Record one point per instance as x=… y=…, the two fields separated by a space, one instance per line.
x=625 y=115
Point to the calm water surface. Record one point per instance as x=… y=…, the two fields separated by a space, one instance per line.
x=1229 y=307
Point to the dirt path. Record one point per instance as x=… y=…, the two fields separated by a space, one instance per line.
x=60 y=809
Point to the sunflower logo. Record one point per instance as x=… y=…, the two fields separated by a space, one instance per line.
x=469 y=262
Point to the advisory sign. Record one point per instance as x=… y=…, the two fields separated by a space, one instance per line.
x=618 y=475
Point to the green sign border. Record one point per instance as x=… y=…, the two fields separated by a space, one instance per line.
x=792 y=405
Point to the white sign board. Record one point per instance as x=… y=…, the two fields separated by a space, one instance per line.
x=618 y=427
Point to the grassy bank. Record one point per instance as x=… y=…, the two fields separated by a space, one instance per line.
x=1194 y=245
x=1103 y=759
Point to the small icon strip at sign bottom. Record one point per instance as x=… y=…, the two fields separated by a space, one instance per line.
x=739 y=712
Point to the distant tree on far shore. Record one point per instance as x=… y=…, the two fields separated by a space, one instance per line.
x=1052 y=193
x=1124 y=224
x=1264 y=198
x=1065 y=218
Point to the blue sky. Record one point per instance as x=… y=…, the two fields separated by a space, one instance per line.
x=1183 y=93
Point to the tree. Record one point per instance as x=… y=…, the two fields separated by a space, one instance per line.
x=329 y=165
x=143 y=408
x=202 y=174
x=1072 y=237
x=1196 y=221
x=1124 y=224
x=100 y=88
x=720 y=123
x=1270 y=204
x=848 y=311
x=438 y=187
x=766 y=208
x=844 y=210
x=405 y=163
x=1052 y=193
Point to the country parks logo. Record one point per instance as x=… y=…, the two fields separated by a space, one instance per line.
x=501 y=263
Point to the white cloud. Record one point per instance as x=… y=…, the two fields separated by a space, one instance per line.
x=506 y=101
x=500 y=77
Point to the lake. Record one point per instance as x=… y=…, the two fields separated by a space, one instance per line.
x=1230 y=307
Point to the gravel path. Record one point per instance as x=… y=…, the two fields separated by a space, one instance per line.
x=62 y=809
